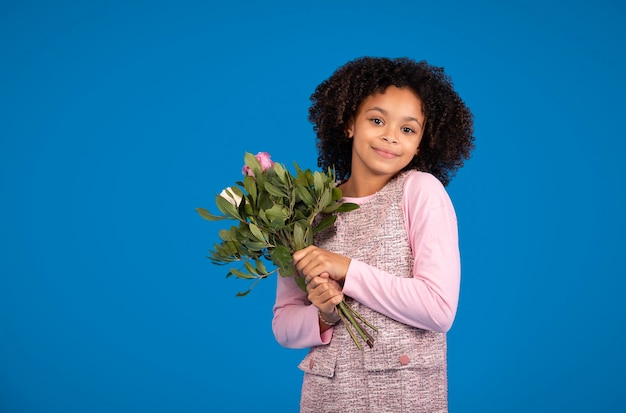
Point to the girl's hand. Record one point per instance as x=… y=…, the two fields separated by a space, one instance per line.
x=313 y=261
x=325 y=294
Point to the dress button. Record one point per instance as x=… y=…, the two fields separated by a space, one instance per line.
x=311 y=364
x=404 y=359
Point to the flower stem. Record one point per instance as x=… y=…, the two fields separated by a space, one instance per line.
x=345 y=323
x=348 y=313
x=360 y=317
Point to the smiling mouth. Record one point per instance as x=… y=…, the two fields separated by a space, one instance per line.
x=385 y=154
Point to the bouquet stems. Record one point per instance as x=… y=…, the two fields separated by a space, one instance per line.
x=350 y=317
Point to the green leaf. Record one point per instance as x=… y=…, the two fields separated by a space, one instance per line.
x=277 y=212
x=277 y=224
x=255 y=246
x=325 y=223
x=304 y=194
x=249 y=184
x=224 y=234
x=257 y=233
x=300 y=281
x=331 y=208
x=347 y=207
x=299 y=214
x=280 y=172
x=225 y=250
x=208 y=216
x=233 y=248
x=241 y=274
x=264 y=202
x=301 y=178
x=251 y=269
x=298 y=170
x=318 y=182
x=226 y=207
x=281 y=257
x=248 y=210
x=274 y=190
x=299 y=231
x=219 y=259
x=240 y=250
x=236 y=234
x=260 y=267
x=253 y=163
x=325 y=199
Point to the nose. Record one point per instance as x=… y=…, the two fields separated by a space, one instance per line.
x=390 y=139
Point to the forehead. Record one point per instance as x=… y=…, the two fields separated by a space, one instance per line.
x=401 y=100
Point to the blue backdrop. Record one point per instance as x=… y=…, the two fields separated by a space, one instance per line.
x=118 y=119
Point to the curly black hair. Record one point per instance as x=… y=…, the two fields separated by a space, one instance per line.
x=448 y=135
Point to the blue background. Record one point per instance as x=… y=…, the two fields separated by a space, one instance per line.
x=118 y=119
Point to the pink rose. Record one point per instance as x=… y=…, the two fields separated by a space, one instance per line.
x=264 y=160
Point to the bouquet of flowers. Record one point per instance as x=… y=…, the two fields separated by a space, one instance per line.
x=277 y=214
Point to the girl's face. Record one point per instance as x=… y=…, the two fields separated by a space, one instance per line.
x=387 y=130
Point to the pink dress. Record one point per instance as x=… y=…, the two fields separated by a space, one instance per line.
x=404 y=278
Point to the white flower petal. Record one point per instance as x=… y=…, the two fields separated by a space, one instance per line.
x=231 y=196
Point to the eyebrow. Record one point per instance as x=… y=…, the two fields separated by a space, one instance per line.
x=384 y=112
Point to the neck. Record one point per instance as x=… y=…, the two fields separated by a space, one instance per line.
x=358 y=188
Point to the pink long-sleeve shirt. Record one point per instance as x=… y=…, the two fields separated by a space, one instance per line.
x=427 y=300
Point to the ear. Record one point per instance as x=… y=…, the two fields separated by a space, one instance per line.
x=350 y=130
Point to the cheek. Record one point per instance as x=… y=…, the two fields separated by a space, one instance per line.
x=419 y=142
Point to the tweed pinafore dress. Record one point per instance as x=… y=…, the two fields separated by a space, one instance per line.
x=405 y=371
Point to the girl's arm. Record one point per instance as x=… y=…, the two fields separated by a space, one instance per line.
x=296 y=321
x=429 y=299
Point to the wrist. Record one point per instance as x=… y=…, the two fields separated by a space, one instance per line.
x=328 y=319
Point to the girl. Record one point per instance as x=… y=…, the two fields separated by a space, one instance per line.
x=395 y=131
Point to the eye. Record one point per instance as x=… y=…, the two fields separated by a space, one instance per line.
x=376 y=121
x=406 y=129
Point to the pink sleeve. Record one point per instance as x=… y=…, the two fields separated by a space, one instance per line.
x=295 y=323
x=429 y=299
